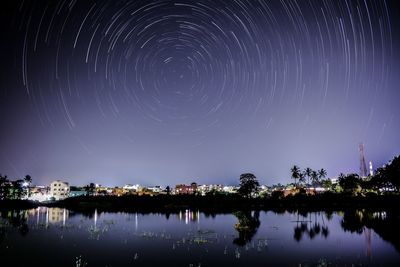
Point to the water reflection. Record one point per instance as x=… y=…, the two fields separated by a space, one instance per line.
x=385 y=224
x=247 y=226
x=187 y=216
x=16 y=219
x=310 y=226
x=236 y=237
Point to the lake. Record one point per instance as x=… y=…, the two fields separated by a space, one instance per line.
x=59 y=237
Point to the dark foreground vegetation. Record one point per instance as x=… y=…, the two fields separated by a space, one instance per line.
x=228 y=203
x=217 y=203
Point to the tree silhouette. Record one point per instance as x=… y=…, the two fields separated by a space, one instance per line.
x=314 y=178
x=90 y=189
x=248 y=185
x=307 y=172
x=295 y=170
x=322 y=173
x=16 y=190
x=350 y=183
x=327 y=184
x=28 y=181
x=389 y=175
x=4 y=186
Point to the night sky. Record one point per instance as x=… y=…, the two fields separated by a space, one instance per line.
x=165 y=92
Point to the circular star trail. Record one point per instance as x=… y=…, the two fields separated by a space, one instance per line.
x=118 y=76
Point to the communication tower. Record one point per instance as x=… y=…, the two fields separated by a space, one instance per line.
x=363 y=165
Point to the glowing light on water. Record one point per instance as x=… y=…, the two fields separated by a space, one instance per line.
x=95 y=219
x=136 y=222
x=47 y=217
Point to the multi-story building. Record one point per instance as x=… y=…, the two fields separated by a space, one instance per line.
x=183 y=189
x=59 y=190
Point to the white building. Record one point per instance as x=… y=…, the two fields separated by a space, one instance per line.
x=371 y=170
x=59 y=190
x=135 y=187
x=229 y=189
x=155 y=189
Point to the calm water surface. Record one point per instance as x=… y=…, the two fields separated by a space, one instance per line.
x=58 y=237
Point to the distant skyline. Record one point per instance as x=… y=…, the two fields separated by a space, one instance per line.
x=166 y=92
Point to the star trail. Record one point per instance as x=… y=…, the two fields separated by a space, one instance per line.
x=162 y=92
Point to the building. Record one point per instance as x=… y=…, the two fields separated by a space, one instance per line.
x=134 y=188
x=371 y=170
x=39 y=193
x=77 y=191
x=155 y=189
x=182 y=189
x=59 y=190
x=118 y=191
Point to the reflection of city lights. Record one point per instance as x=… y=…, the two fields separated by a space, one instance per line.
x=47 y=217
x=380 y=215
x=64 y=217
x=136 y=221
x=38 y=216
x=95 y=219
x=190 y=216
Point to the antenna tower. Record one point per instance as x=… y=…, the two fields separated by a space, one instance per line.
x=363 y=165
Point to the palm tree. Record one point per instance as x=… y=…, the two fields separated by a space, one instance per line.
x=314 y=177
x=322 y=173
x=307 y=172
x=295 y=174
x=302 y=178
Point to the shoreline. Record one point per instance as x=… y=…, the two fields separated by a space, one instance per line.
x=212 y=204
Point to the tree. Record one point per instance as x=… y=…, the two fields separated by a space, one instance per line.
x=389 y=175
x=12 y=189
x=248 y=185
x=307 y=172
x=16 y=190
x=168 y=189
x=295 y=170
x=27 y=181
x=350 y=183
x=4 y=186
x=90 y=189
x=322 y=173
x=314 y=177
x=327 y=184
x=193 y=187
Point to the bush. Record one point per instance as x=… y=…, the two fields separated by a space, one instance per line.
x=277 y=194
